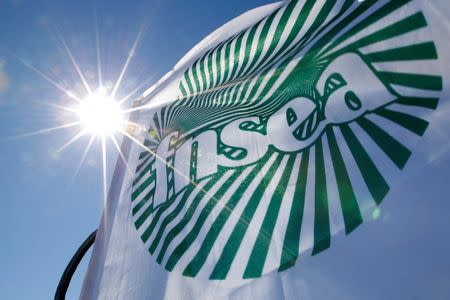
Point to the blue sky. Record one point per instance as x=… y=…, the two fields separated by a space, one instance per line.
x=47 y=210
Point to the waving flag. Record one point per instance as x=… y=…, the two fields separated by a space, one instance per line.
x=283 y=127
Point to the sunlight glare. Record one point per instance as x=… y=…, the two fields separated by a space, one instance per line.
x=100 y=115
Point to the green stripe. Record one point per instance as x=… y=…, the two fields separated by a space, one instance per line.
x=142 y=163
x=375 y=182
x=232 y=246
x=305 y=11
x=218 y=66
x=318 y=24
x=210 y=69
x=398 y=153
x=156 y=121
x=260 y=249
x=321 y=215
x=144 y=171
x=334 y=31
x=143 y=186
x=184 y=245
x=203 y=72
x=281 y=27
x=237 y=51
x=143 y=154
x=418 y=81
x=248 y=47
x=142 y=202
x=182 y=89
x=422 y=51
x=163 y=115
x=404 y=26
x=148 y=231
x=199 y=260
x=188 y=82
x=195 y=76
x=292 y=238
x=412 y=123
x=147 y=212
x=385 y=10
x=174 y=214
x=349 y=205
x=226 y=62
x=430 y=103
x=262 y=38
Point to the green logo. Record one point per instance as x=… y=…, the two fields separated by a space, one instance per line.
x=283 y=135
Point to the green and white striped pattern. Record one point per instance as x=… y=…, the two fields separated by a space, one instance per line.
x=246 y=221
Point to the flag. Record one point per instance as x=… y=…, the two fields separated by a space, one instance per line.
x=288 y=125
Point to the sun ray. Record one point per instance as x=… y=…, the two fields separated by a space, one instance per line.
x=128 y=60
x=74 y=62
x=97 y=48
x=141 y=107
x=130 y=172
x=60 y=107
x=47 y=78
x=200 y=93
x=41 y=131
x=83 y=158
x=140 y=86
x=225 y=206
x=71 y=141
x=104 y=171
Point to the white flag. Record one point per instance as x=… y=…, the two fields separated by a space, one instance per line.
x=284 y=127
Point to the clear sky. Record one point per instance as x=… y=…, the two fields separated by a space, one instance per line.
x=47 y=208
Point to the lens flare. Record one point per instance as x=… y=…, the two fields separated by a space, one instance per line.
x=100 y=115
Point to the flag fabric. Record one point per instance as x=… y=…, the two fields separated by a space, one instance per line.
x=282 y=128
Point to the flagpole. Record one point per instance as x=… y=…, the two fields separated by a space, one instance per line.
x=73 y=264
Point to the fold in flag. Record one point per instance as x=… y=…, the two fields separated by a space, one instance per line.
x=285 y=126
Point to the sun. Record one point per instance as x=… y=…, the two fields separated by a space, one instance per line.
x=100 y=115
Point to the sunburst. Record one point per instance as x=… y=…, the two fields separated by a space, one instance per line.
x=99 y=114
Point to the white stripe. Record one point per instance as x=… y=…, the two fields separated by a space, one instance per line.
x=254 y=44
x=307 y=229
x=387 y=168
x=170 y=210
x=242 y=52
x=276 y=245
x=414 y=37
x=421 y=67
x=222 y=62
x=353 y=23
x=334 y=201
x=413 y=92
x=141 y=196
x=245 y=249
x=195 y=247
x=143 y=178
x=269 y=37
x=214 y=67
x=191 y=76
x=230 y=99
x=231 y=59
x=420 y=112
x=199 y=77
x=230 y=224
x=291 y=22
x=401 y=134
x=388 y=20
x=181 y=215
x=207 y=70
x=365 y=200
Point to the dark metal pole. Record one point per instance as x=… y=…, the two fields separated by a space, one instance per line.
x=72 y=267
